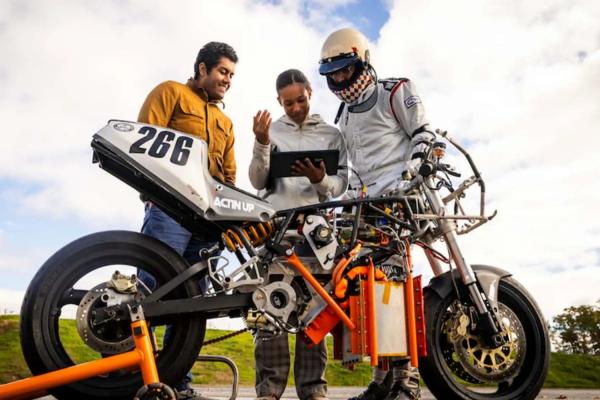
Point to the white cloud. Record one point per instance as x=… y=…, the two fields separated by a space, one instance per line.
x=19 y=259
x=519 y=81
x=556 y=291
x=71 y=66
x=10 y=301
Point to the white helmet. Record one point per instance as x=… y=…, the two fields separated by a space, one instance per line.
x=342 y=48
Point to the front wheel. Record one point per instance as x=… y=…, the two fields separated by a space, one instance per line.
x=460 y=365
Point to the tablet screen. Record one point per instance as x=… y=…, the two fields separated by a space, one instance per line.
x=282 y=161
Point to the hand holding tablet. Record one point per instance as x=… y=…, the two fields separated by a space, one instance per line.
x=295 y=163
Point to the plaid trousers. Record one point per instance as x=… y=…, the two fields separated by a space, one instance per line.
x=272 y=358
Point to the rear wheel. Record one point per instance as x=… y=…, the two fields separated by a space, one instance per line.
x=460 y=365
x=73 y=282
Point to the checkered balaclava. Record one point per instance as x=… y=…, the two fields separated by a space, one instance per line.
x=351 y=93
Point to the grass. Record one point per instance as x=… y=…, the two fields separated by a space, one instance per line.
x=566 y=370
x=12 y=363
x=573 y=371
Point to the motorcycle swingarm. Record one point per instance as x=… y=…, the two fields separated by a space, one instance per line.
x=213 y=306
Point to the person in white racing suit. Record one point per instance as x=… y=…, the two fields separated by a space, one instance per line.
x=384 y=124
x=296 y=130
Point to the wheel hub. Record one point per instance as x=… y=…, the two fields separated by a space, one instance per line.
x=481 y=361
x=111 y=335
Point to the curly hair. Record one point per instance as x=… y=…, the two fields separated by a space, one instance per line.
x=210 y=55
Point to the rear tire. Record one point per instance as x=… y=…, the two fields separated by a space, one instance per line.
x=442 y=372
x=48 y=292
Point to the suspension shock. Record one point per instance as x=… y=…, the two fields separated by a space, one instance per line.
x=253 y=234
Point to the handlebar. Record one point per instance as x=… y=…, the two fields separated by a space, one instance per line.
x=428 y=168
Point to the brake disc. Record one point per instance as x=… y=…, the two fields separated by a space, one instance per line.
x=491 y=364
x=451 y=327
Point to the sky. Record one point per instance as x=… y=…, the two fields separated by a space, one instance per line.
x=517 y=82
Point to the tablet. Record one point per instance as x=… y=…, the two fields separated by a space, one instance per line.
x=282 y=161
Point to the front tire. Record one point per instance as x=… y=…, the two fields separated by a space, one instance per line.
x=73 y=271
x=463 y=367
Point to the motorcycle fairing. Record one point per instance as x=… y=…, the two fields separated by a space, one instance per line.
x=155 y=159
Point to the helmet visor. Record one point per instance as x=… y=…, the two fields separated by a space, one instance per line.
x=330 y=65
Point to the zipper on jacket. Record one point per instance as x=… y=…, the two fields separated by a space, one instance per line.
x=206 y=125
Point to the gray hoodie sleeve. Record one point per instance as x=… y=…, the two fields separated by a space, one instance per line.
x=335 y=185
x=259 y=165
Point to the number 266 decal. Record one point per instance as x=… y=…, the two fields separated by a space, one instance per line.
x=161 y=144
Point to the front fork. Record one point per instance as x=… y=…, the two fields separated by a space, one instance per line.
x=488 y=323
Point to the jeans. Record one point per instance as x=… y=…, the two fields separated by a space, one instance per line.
x=164 y=228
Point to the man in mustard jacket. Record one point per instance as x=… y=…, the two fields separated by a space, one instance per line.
x=193 y=108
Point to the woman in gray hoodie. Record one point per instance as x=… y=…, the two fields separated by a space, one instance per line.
x=296 y=130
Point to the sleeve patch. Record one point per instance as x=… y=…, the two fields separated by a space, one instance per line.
x=411 y=101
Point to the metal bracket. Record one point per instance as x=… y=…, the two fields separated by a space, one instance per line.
x=276 y=298
x=242 y=275
x=325 y=254
x=136 y=312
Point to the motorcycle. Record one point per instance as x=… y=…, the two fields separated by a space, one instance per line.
x=343 y=267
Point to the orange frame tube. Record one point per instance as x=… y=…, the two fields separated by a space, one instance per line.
x=142 y=356
x=143 y=345
x=371 y=318
x=411 y=318
x=337 y=271
x=296 y=263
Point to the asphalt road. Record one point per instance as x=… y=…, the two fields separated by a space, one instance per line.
x=338 y=393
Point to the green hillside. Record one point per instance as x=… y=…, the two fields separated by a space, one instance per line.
x=566 y=371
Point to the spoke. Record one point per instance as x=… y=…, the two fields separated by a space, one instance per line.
x=502 y=357
x=72 y=296
x=482 y=359
x=494 y=361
